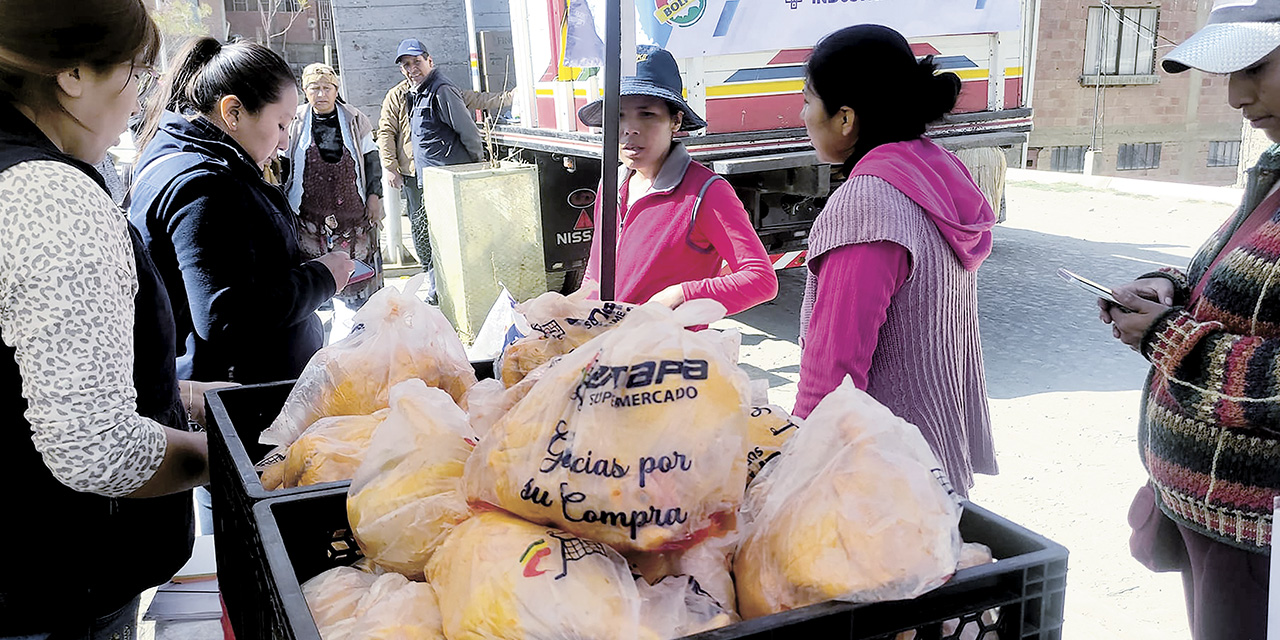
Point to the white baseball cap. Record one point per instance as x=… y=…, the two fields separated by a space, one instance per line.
x=1238 y=35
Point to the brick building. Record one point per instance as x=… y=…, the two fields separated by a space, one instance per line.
x=1099 y=86
x=307 y=27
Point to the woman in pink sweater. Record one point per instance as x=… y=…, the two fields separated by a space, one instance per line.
x=678 y=222
x=891 y=298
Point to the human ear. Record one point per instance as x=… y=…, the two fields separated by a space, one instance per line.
x=230 y=109
x=848 y=122
x=71 y=83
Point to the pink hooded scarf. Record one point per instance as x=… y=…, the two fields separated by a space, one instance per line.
x=935 y=179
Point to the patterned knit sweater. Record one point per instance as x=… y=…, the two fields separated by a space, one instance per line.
x=1210 y=427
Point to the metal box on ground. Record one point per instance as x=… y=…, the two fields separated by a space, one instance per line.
x=486 y=232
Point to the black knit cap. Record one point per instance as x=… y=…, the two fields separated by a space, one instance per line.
x=657 y=75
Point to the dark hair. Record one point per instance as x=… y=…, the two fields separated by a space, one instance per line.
x=872 y=70
x=41 y=38
x=206 y=71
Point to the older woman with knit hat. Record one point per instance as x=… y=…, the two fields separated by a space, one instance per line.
x=1209 y=429
x=335 y=179
x=678 y=222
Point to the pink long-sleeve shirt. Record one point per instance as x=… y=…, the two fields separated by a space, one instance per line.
x=856 y=283
x=670 y=236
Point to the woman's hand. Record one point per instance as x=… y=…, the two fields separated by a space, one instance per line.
x=1130 y=327
x=193 y=397
x=672 y=296
x=1153 y=289
x=340 y=266
x=373 y=208
x=394 y=179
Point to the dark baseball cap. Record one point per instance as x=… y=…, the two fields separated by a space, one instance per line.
x=1238 y=35
x=410 y=47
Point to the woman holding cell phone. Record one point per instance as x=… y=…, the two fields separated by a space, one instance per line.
x=223 y=238
x=1209 y=430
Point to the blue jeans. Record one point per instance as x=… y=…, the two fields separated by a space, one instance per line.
x=120 y=625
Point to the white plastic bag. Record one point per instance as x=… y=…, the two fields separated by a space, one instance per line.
x=349 y=604
x=676 y=607
x=635 y=439
x=397 y=337
x=407 y=494
x=558 y=325
x=856 y=509
x=489 y=400
x=502 y=326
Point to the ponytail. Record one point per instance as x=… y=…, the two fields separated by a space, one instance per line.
x=872 y=70
x=206 y=71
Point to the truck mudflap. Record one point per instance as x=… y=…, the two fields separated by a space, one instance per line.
x=781 y=261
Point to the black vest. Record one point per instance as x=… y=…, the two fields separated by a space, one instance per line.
x=435 y=142
x=72 y=556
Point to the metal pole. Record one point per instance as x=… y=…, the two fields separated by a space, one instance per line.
x=608 y=224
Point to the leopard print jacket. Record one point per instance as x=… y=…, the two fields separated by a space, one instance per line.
x=67 y=286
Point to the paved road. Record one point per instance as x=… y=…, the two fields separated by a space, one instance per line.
x=1064 y=394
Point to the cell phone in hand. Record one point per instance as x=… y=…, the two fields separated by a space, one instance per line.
x=363 y=272
x=1092 y=287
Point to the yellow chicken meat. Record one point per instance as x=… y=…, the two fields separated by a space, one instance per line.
x=330 y=450
x=397 y=337
x=634 y=439
x=560 y=324
x=407 y=493
x=855 y=509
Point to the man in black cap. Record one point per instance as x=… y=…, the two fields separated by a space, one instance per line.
x=443 y=131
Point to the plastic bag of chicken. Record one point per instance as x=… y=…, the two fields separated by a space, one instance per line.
x=768 y=428
x=407 y=495
x=856 y=509
x=502 y=578
x=335 y=595
x=708 y=563
x=629 y=439
x=560 y=324
x=489 y=400
x=328 y=451
x=348 y=604
x=397 y=337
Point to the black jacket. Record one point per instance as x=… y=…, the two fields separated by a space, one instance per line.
x=226 y=244
x=74 y=556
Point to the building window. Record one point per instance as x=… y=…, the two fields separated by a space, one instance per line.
x=325 y=9
x=1143 y=155
x=1121 y=41
x=1225 y=153
x=237 y=5
x=1067 y=159
x=290 y=6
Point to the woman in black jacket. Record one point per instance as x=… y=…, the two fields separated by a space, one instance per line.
x=223 y=238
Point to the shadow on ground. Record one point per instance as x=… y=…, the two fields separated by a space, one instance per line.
x=1041 y=334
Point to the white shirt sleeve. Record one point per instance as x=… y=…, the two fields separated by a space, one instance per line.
x=67 y=286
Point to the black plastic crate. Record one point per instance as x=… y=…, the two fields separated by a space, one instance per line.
x=237 y=417
x=1022 y=594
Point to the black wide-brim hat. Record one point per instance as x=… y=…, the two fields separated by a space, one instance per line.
x=657 y=75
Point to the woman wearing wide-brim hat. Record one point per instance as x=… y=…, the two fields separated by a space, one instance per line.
x=678 y=222
x=1209 y=429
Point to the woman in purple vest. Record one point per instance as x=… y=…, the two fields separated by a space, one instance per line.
x=335 y=180
x=891 y=299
